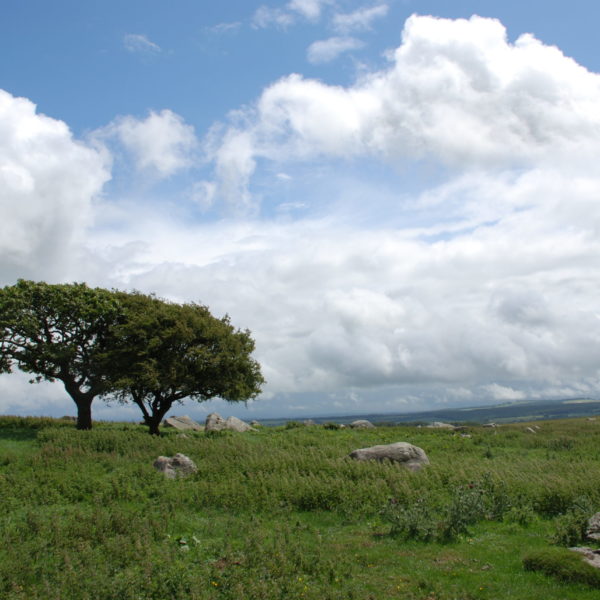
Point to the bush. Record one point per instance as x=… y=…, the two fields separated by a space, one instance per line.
x=571 y=527
x=413 y=522
x=423 y=520
x=523 y=515
x=563 y=564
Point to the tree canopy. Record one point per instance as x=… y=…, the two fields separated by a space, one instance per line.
x=59 y=331
x=164 y=352
x=128 y=346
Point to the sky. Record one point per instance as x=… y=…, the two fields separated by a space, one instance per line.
x=399 y=198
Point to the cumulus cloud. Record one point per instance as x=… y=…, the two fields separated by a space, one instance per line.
x=456 y=91
x=161 y=143
x=138 y=43
x=324 y=51
x=335 y=308
x=359 y=20
x=48 y=181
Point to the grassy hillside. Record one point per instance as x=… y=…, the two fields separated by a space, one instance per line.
x=282 y=513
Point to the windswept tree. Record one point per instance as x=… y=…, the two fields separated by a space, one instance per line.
x=59 y=332
x=164 y=352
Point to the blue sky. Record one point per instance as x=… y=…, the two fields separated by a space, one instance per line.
x=399 y=198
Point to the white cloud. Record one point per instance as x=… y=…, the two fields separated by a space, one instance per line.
x=138 y=43
x=500 y=392
x=223 y=28
x=360 y=19
x=266 y=16
x=457 y=92
x=310 y=10
x=327 y=50
x=48 y=181
x=162 y=142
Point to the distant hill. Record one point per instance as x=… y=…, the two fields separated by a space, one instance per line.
x=512 y=412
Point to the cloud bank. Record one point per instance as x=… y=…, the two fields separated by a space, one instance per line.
x=445 y=245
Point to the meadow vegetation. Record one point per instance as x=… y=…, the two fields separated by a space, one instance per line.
x=282 y=513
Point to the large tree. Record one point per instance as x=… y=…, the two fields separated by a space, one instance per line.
x=59 y=332
x=165 y=352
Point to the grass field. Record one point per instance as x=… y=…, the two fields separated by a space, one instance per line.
x=282 y=513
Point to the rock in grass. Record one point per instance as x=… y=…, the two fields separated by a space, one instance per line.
x=591 y=556
x=184 y=423
x=412 y=457
x=593 y=527
x=175 y=466
x=440 y=425
x=215 y=422
x=362 y=424
x=235 y=424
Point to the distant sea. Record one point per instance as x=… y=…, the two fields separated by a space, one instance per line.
x=513 y=412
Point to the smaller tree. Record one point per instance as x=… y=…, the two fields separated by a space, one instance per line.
x=59 y=331
x=164 y=352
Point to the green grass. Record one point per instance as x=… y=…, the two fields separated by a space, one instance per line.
x=282 y=513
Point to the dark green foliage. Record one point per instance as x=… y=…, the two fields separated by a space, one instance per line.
x=129 y=346
x=164 y=352
x=571 y=527
x=428 y=519
x=565 y=565
x=59 y=332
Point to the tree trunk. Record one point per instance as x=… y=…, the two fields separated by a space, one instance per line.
x=83 y=401
x=84 y=413
x=158 y=409
x=153 y=423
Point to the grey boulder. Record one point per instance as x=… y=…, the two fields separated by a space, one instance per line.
x=362 y=424
x=412 y=457
x=593 y=527
x=439 y=425
x=215 y=422
x=235 y=424
x=175 y=466
x=590 y=555
x=184 y=423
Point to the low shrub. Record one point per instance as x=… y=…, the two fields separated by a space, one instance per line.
x=571 y=527
x=522 y=514
x=425 y=520
x=563 y=564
